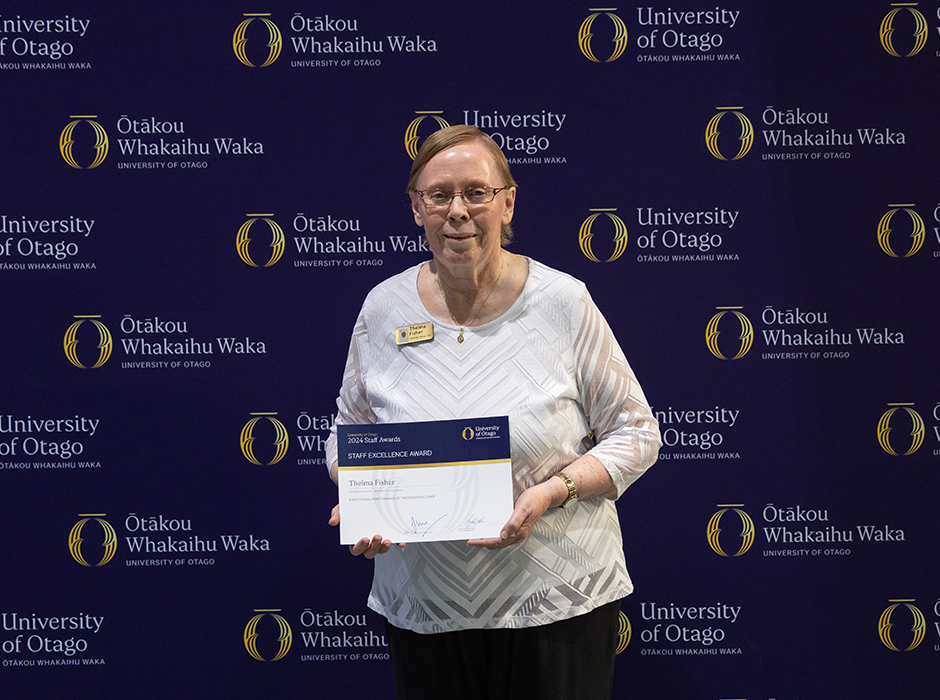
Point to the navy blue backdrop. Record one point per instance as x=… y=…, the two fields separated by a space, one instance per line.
x=196 y=198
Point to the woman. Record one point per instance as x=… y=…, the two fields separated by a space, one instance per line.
x=533 y=612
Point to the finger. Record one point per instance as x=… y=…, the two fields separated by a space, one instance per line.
x=359 y=547
x=363 y=545
x=494 y=543
x=377 y=546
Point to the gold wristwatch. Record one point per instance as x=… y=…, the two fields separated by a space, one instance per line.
x=572 y=491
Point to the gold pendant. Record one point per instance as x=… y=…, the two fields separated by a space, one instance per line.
x=460 y=337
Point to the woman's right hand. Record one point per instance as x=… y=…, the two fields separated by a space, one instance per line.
x=370 y=548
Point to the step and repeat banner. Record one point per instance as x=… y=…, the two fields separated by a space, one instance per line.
x=197 y=197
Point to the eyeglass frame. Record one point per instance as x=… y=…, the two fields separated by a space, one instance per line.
x=452 y=193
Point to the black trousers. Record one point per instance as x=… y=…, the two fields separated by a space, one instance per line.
x=569 y=659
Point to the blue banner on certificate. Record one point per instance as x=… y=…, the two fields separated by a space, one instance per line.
x=424 y=482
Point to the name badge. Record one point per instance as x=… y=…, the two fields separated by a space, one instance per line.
x=414 y=334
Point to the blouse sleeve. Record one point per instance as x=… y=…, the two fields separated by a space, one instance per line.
x=352 y=404
x=626 y=434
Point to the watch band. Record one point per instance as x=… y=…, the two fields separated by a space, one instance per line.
x=572 y=491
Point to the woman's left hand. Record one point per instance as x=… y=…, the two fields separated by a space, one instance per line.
x=527 y=510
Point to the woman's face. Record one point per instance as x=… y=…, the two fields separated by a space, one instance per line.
x=460 y=234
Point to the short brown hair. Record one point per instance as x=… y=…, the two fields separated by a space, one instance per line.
x=451 y=136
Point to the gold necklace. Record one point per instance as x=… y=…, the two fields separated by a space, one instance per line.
x=460 y=337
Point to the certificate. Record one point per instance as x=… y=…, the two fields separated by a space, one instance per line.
x=424 y=482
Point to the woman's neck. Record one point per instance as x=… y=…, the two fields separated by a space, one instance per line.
x=472 y=301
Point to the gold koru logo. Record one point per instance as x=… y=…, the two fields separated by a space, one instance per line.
x=585 y=36
x=747 y=530
x=746 y=138
x=620 y=235
x=66 y=142
x=887 y=29
x=624 y=633
x=917 y=234
x=274 y=40
x=885 y=624
x=746 y=337
x=411 y=133
x=76 y=539
x=247 y=438
x=277 y=240
x=284 y=638
x=884 y=429
x=70 y=342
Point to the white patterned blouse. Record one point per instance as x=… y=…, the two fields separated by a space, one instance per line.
x=552 y=364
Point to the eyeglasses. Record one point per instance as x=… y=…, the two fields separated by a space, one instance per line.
x=471 y=195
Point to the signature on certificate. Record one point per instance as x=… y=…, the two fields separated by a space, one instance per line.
x=417 y=525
